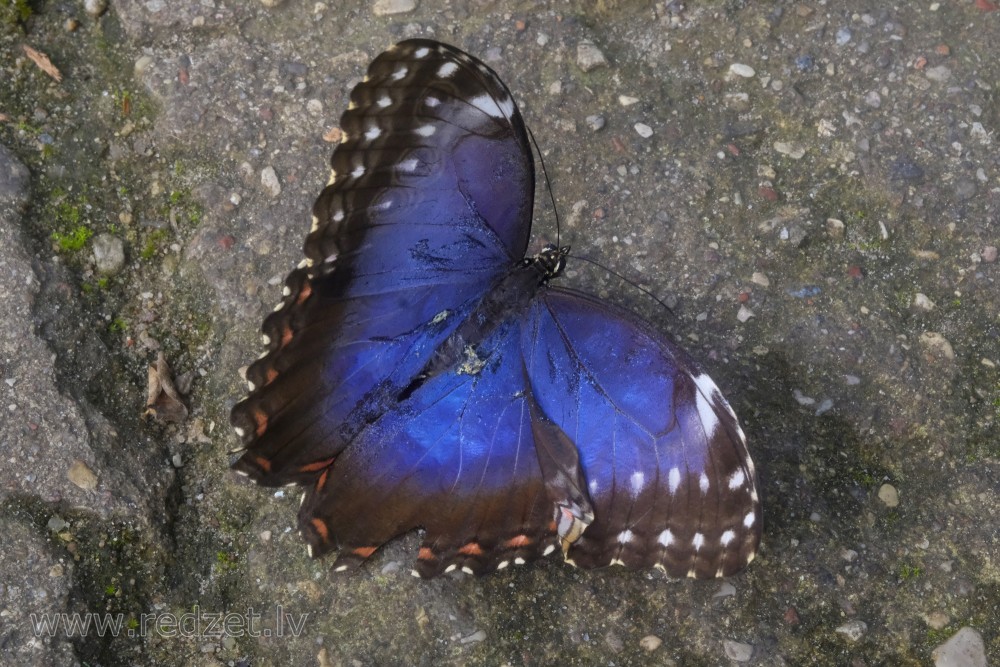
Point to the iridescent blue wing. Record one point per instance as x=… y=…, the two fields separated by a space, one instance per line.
x=428 y=205
x=668 y=475
x=456 y=458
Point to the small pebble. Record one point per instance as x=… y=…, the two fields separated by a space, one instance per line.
x=792 y=150
x=805 y=62
x=937 y=620
x=726 y=590
x=852 y=380
x=109 y=254
x=95 y=7
x=477 y=636
x=888 y=494
x=873 y=99
x=57 y=524
x=627 y=100
x=595 y=122
x=964 y=649
x=82 y=476
x=843 y=36
x=941 y=73
x=644 y=131
x=922 y=302
x=650 y=643
x=937 y=345
x=759 y=278
x=390 y=7
x=177 y=460
x=739 y=69
x=269 y=179
x=989 y=254
x=589 y=57
x=737 y=651
x=801 y=398
x=744 y=314
x=853 y=630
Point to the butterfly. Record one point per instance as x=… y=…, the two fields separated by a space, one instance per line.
x=421 y=373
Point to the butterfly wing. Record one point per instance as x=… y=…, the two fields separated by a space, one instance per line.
x=428 y=205
x=455 y=458
x=669 y=478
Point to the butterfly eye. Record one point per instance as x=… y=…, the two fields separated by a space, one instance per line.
x=421 y=373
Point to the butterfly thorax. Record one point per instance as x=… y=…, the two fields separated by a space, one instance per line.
x=462 y=351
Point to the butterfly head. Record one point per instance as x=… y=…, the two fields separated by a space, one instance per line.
x=550 y=261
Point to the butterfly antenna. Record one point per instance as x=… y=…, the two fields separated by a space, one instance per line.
x=548 y=183
x=627 y=280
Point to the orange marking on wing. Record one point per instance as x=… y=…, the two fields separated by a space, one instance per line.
x=321 y=482
x=269 y=376
x=552 y=526
x=426 y=553
x=316 y=465
x=265 y=464
x=321 y=529
x=261 y=419
x=471 y=549
x=304 y=293
x=286 y=336
x=364 y=552
x=518 y=541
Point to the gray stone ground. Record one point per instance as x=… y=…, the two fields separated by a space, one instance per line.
x=813 y=186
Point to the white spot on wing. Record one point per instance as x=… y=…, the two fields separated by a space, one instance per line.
x=549 y=549
x=467 y=569
x=726 y=538
x=666 y=538
x=421 y=52
x=338 y=216
x=487 y=105
x=450 y=568
x=519 y=561
x=399 y=74
x=736 y=480
x=706 y=411
x=674 y=479
x=339 y=568
x=432 y=101
x=240 y=432
x=502 y=564
x=507 y=106
x=625 y=537
x=749 y=519
x=698 y=541
x=426 y=130
x=638 y=481
x=408 y=165
x=703 y=483
x=373 y=133
x=447 y=70
x=383 y=102
x=286 y=291
x=359 y=171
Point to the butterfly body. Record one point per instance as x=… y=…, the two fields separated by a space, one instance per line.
x=421 y=374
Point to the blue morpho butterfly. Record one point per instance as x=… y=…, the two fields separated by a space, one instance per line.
x=420 y=373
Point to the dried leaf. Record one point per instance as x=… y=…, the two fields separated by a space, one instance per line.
x=42 y=61
x=164 y=402
x=986 y=5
